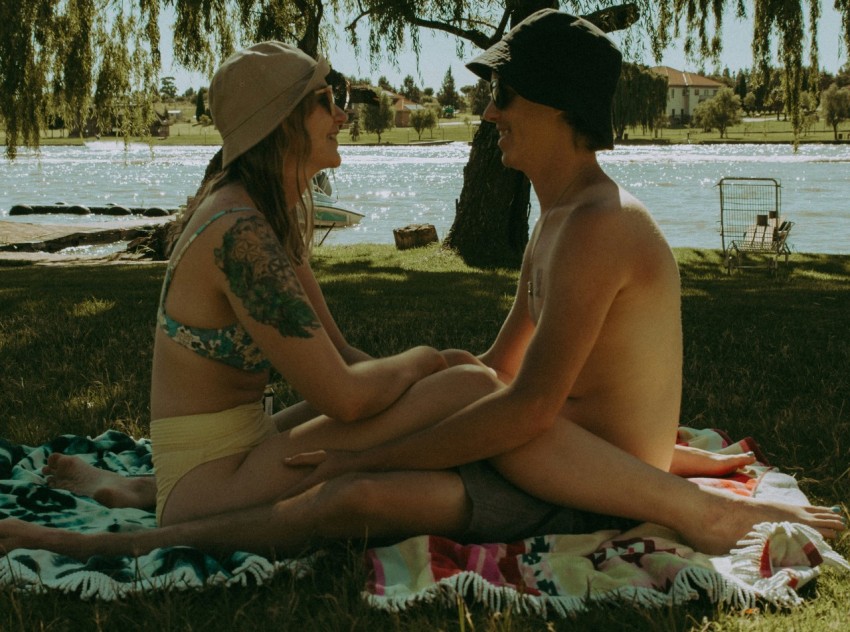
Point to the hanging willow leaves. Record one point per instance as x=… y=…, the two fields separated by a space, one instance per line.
x=25 y=30
x=640 y=99
x=84 y=60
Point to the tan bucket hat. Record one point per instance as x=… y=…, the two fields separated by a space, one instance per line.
x=255 y=89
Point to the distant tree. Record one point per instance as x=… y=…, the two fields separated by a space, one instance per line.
x=808 y=102
x=749 y=103
x=409 y=90
x=825 y=79
x=200 y=106
x=640 y=99
x=377 y=119
x=428 y=92
x=724 y=77
x=422 y=119
x=842 y=77
x=168 y=88
x=720 y=111
x=189 y=93
x=447 y=96
x=775 y=101
x=478 y=96
x=385 y=84
x=835 y=103
x=741 y=88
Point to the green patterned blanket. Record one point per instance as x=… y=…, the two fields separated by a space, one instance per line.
x=24 y=495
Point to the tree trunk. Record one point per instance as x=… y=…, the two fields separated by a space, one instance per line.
x=491 y=217
x=491 y=222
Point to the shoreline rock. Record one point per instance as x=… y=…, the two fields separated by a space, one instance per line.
x=146 y=241
x=60 y=208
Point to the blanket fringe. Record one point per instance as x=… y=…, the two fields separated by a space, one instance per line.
x=741 y=588
x=15 y=570
x=686 y=587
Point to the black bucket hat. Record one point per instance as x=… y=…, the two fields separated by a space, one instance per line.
x=561 y=61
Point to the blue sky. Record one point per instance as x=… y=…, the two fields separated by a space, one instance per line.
x=439 y=53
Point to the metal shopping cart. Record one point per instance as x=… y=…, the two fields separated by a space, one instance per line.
x=752 y=230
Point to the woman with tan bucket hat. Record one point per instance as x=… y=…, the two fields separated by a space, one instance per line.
x=239 y=298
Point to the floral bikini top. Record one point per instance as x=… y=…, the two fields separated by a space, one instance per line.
x=231 y=345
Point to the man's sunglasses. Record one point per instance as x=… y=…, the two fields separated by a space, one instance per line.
x=334 y=95
x=501 y=94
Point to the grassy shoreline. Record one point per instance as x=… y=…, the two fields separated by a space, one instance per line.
x=765 y=356
x=765 y=130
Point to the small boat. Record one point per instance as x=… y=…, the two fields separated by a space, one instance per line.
x=329 y=213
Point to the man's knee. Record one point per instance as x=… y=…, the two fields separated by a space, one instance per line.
x=353 y=500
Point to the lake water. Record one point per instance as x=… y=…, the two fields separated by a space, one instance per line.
x=399 y=185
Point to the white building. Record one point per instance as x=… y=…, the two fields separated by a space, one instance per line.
x=685 y=90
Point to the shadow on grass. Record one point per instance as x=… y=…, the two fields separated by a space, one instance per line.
x=765 y=355
x=386 y=307
x=76 y=348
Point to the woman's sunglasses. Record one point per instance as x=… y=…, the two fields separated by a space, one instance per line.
x=334 y=96
x=501 y=94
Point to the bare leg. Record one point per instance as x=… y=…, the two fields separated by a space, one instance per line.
x=114 y=490
x=262 y=475
x=108 y=488
x=392 y=505
x=573 y=467
x=425 y=403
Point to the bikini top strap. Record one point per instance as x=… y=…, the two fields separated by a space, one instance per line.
x=172 y=265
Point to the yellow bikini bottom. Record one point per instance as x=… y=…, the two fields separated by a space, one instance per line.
x=180 y=444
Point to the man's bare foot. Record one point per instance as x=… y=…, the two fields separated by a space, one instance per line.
x=690 y=462
x=108 y=488
x=17 y=534
x=730 y=518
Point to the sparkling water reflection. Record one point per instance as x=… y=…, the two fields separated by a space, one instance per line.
x=398 y=185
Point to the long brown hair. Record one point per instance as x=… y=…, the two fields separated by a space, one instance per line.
x=260 y=171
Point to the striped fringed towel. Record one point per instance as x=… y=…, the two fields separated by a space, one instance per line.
x=648 y=565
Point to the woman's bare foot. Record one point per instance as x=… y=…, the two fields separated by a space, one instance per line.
x=729 y=518
x=108 y=488
x=690 y=462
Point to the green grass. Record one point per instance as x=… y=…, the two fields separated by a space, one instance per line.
x=765 y=356
x=764 y=130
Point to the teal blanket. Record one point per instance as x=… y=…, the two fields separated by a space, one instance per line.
x=25 y=495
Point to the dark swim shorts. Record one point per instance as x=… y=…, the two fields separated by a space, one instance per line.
x=501 y=512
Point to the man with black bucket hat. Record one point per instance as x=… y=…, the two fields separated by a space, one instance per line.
x=591 y=351
x=590 y=357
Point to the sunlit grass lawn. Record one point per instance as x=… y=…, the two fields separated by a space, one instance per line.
x=765 y=356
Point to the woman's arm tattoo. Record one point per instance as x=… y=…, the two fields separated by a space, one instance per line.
x=259 y=273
